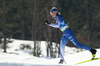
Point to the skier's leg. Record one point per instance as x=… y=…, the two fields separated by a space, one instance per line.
x=75 y=42
x=62 y=46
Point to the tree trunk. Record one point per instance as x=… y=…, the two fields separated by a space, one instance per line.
x=4 y=28
x=22 y=13
x=34 y=28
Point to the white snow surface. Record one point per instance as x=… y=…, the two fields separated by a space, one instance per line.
x=23 y=58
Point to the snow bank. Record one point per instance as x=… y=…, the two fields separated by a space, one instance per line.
x=22 y=58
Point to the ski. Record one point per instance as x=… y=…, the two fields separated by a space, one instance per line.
x=87 y=61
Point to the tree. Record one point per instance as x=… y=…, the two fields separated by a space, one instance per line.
x=4 y=28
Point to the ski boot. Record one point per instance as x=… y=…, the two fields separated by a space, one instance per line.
x=93 y=51
x=61 y=62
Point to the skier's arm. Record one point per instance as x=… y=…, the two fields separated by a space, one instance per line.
x=54 y=25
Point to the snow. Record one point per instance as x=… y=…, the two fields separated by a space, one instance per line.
x=17 y=57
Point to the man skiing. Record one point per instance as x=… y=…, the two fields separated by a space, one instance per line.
x=67 y=34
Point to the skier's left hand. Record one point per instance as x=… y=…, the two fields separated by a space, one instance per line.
x=46 y=22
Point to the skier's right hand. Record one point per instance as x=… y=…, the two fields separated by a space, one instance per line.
x=46 y=22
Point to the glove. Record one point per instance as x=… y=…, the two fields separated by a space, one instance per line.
x=46 y=22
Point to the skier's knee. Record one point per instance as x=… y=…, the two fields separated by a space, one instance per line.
x=78 y=45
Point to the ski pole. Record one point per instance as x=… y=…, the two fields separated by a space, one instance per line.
x=84 y=39
x=51 y=32
x=54 y=40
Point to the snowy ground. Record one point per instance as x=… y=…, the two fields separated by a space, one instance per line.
x=21 y=58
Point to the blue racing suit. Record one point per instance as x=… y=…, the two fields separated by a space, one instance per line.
x=67 y=35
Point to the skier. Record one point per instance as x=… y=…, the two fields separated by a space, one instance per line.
x=67 y=34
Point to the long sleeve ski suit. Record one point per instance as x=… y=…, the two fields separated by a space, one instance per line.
x=67 y=35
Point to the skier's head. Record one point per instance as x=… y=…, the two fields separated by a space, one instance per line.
x=54 y=12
